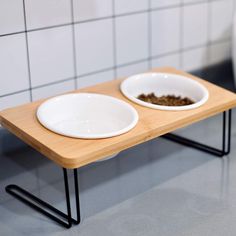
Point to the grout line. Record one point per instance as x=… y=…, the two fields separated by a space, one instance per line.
x=112 y=68
x=53 y=83
x=106 y=17
x=220 y=41
x=204 y=45
x=96 y=72
x=27 y=52
x=14 y=33
x=144 y=59
x=132 y=13
x=49 y=27
x=74 y=44
x=209 y=32
x=171 y=6
x=133 y=62
x=113 y=17
x=181 y=36
x=14 y=93
x=149 y=35
x=38 y=87
x=114 y=39
x=94 y=19
x=88 y=74
x=108 y=69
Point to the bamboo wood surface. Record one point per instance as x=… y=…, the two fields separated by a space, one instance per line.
x=73 y=153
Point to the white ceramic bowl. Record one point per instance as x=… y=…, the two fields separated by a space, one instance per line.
x=108 y=158
x=87 y=115
x=164 y=84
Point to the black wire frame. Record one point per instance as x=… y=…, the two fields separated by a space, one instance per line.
x=63 y=219
x=66 y=220
x=226 y=139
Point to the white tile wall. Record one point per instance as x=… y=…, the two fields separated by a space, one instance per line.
x=94 y=46
x=195 y=1
x=195 y=58
x=46 y=13
x=129 y=70
x=221 y=19
x=219 y=52
x=91 y=9
x=13 y=64
x=11 y=16
x=51 y=55
x=89 y=80
x=164 y=3
x=108 y=37
x=53 y=89
x=124 y=6
x=14 y=100
x=131 y=38
x=172 y=60
x=165 y=31
x=195 y=27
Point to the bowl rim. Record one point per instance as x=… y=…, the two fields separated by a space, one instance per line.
x=123 y=89
x=43 y=121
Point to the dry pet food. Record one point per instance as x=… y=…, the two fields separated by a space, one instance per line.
x=167 y=100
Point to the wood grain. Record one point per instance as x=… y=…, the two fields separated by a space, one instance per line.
x=73 y=153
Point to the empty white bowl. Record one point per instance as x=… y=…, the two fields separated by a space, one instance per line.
x=108 y=158
x=164 y=84
x=87 y=115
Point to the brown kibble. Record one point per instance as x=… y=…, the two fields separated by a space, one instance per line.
x=168 y=100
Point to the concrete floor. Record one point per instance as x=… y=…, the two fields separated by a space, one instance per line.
x=157 y=188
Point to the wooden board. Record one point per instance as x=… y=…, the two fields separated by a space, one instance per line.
x=74 y=153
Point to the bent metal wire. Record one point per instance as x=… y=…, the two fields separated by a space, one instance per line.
x=211 y=150
x=66 y=220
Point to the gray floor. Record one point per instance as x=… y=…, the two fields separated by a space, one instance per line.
x=157 y=188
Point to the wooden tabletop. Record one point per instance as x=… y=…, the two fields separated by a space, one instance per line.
x=73 y=153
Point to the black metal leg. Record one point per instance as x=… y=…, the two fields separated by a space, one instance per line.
x=66 y=220
x=45 y=208
x=77 y=196
x=226 y=139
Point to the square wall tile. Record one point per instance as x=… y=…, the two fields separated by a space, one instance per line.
x=14 y=100
x=91 y=9
x=164 y=3
x=220 y=52
x=165 y=31
x=195 y=25
x=94 y=46
x=193 y=1
x=131 y=38
x=11 y=16
x=13 y=63
x=221 y=19
x=124 y=6
x=52 y=90
x=45 y=13
x=172 y=60
x=129 y=70
x=89 y=80
x=51 y=55
x=195 y=59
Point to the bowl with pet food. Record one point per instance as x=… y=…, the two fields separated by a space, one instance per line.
x=165 y=91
